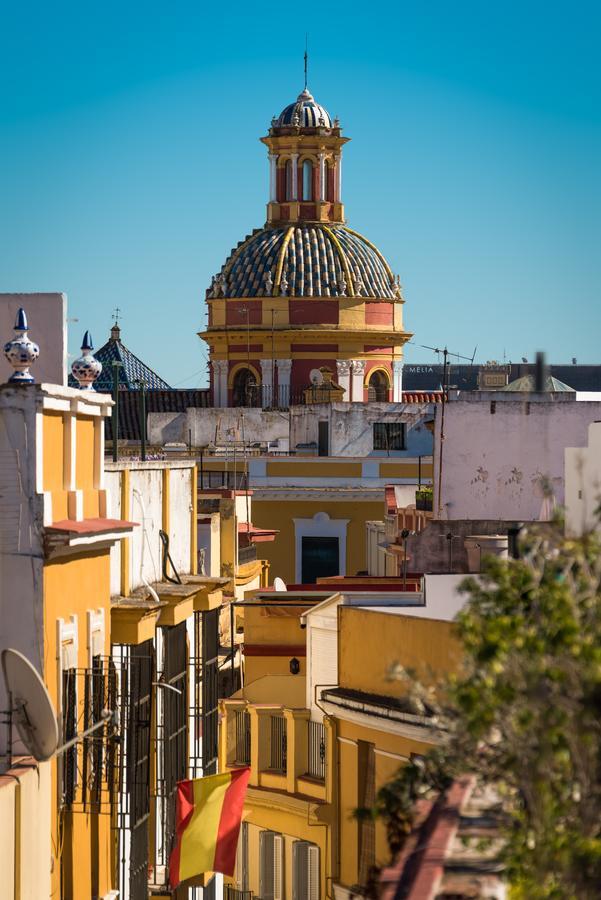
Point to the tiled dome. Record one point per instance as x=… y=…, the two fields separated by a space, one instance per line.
x=305 y=112
x=306 y=260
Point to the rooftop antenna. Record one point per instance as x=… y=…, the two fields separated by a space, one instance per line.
x=445 y=388
x=306 y=57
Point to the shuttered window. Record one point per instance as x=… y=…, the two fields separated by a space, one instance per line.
x=242 y=858
x=271 y=861
x=366 y=832
x=305 y=865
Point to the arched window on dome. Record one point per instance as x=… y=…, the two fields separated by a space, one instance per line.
x=245 y=390
x=307 y=180
x=288 y=179
x=378 y=387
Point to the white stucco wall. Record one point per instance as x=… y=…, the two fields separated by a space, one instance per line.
x=583 y=483
x=146 y=508
x=499 y=453
x=207 y=426
x=47 y=320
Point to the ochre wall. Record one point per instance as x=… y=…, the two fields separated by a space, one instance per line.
x=425 y=646
x=394 y=750
x=279 y=514
x=72 y=586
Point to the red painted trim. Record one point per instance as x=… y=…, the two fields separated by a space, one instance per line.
x=91 y=526
x=274 y=649
x=229 y=822
x=184 y=807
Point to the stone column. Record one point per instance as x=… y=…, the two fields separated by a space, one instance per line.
x=338 y=179
x=284 y=370
x=294 y=159
x=267 y=382
x=322 y=176
x=357 y=380
x=343 y=372
x=220 y=369
x=273 y=177
x=397 y=381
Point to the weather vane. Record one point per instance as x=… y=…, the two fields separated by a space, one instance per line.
x=117 y=314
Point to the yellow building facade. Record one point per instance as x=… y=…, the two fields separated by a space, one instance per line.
x=325 y=718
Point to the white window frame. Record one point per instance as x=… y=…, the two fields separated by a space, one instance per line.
x=321 y=525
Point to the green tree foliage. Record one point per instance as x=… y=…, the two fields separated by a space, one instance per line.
x=524 y=715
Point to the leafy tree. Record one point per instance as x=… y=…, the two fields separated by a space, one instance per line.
x=524 y=715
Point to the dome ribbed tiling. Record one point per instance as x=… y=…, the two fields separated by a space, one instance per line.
x=304 y=112
x=311 y=260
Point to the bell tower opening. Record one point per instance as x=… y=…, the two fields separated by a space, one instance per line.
x=378 y=387
x=245 y=390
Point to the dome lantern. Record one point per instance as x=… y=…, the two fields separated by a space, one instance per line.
x=305 y=159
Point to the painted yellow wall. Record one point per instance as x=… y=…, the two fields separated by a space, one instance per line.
x=53 y=436
x=279 y=515
x=425 y=646
x=390 y=753
x=72 y=586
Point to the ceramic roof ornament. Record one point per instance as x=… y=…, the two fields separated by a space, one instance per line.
x=21 y=352
x=86 y=369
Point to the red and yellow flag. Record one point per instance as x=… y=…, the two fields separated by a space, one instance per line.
x=208 y=813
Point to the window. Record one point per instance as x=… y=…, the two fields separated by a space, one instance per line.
x=271 y=852
x=242 y=858
x=366 y=795
x=320 y=558
x=389 y=436
x=245 y=391
x=289 y=179
x=305 y=868
x=307 y=180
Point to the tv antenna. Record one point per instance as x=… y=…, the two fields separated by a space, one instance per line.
x=31 y=712
x=445 y=389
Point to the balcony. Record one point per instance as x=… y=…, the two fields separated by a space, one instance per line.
x=247 y=554
x=285 y=751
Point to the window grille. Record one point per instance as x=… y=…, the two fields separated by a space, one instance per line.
x=242 y=737
x=210 y=691
x=389 y=436
x=204 y=694
x=305 y=871
x=171 y=740
x=278 y=743
x=317 y=750
x=134 y=674
x=69 y=730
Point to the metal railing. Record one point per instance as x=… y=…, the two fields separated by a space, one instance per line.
x=316 y=736
x=242 y=737
x=247 y=554
x=232 y=893
x=278 y=744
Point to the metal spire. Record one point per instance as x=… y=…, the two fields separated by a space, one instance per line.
x=306 y=58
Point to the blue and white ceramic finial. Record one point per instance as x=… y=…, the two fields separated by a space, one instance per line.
x=21 y=352
x=86 y=368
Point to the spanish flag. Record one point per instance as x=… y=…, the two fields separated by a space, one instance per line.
x=208 y=813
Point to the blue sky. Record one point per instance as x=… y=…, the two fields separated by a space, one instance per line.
x=130 y=161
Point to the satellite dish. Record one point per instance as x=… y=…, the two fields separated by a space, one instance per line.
x=316 y=376
x=31 y=710
x=279 y=584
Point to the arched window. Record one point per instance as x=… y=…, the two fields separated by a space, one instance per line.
x=307 y=180
x=245 y=390
x=378 y=386
x=289 y=179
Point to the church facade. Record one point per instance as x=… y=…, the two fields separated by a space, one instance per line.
x=305 y=303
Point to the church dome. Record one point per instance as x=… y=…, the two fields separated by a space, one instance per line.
x=304 y=112
x=306 y=260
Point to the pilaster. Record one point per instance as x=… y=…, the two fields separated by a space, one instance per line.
x=397 y=381
x=357 y=380
x=343 y=371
